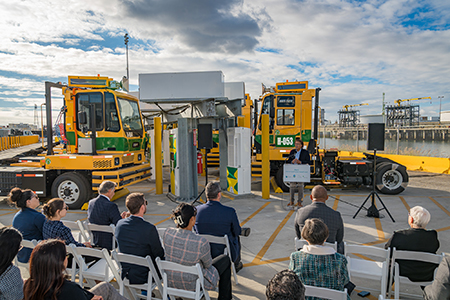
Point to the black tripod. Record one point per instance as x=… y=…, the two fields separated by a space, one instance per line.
x=373 y=211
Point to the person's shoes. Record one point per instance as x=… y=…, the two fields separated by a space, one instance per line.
x=245 y=231
x=300 y=204
x=239 y=266
x=290 y=204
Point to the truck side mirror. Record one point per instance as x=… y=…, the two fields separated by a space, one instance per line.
x=82 y=118
x=272 y=112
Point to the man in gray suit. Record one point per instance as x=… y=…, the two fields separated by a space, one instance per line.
x=440 y=288
x=318 y=209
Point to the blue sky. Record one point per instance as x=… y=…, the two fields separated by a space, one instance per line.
x=354 y=50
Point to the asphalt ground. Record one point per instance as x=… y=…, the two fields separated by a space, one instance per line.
x=266 y=251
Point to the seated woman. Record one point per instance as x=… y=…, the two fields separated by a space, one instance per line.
x=53 y=228
x=28 y=221
x=11 y=283
x=47 y=281
x=316 y=264
x=184 y=247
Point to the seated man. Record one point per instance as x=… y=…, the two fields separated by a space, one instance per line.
x=285 y=285
x=216 y=219
x=138 y=237
x=318 y=209
x=102 y=211
x=416 y=238
x=440 y=288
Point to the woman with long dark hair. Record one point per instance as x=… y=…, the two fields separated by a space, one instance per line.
x=28 y=220
x=53 y=228
x=48 y=280
x=11 y=283
x=184 y=247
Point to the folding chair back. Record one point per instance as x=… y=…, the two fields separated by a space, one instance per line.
x=99 y=270
x=161 y=234
x=410 y=255
x=366 y=267
x=200 y=290
x=102 y=228
x=320 y=292
x=299 y=243
x=25 y=244
x=223 y=240
x=78 y=230
x=133 y=290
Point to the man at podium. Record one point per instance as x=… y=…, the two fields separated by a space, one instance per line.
x=298 y=156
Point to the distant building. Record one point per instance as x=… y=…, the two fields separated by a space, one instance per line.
x=371 y=119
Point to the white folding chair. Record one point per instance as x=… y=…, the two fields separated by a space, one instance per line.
x=161 y=234
x=25 y=244
x=365 y=267
x=380 y=297
x=78 y=231
x=73 y=270
x=99 y=270
x=102 y=228
x=200 y=290
x=134 y=290
x=299 y=243
x=410 y=255
x=223 y=240
x=320 y=292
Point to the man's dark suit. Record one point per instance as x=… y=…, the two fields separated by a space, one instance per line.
x=304 y=156
x=101 y=211
x=415 y=239
x=138 y=237
x=216 y=219
x=330 y=217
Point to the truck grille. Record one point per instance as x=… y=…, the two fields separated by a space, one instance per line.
x=9 y=180
x=102 y=164
x=128 y=159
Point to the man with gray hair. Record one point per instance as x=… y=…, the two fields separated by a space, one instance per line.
x=102 y=211
x=416 y=238
x=216 y=219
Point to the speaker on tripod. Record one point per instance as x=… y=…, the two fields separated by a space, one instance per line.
x=375 y=141
x=205 y=141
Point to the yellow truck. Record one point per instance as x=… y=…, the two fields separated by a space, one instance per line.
x=102 y=138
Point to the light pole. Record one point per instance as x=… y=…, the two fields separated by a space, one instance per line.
x=440 y=102
x=126 y=37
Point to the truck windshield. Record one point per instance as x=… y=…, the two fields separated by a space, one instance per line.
x=131 y=118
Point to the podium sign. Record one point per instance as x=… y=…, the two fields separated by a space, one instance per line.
x=296 y=173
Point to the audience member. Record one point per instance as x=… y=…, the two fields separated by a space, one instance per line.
x=416 y=238
x=440 y=288
x=316 y=264
x=47 y=277
x=216 y=219
x=184 y=247
x=297 y=156
x=285 y=285
x=11 y=283
x=53 y=228
x=318 y=209
x=28 y=221
x=137 y=237
x=102 y=211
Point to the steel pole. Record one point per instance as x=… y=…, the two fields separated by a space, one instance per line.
x=158 y=158
x=265 y=157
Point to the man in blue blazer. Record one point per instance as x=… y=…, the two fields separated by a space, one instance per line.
x=138 y=237
x=102 y=211
x=216 y=219
x=298 y=156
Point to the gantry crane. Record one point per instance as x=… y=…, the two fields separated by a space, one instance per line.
x=349 y=118
x=403 y=115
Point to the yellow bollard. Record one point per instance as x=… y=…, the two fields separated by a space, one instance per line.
x=265 y=157
x=203 y=162
x=158 y=158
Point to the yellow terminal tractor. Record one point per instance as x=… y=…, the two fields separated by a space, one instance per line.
x=102 y=138
x=290 y=109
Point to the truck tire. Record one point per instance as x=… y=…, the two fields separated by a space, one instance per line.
x=391 y=178
x=73 y=188
x=279 y=180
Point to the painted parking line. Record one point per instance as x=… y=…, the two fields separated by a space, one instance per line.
x=162 y=221
x=336 y=202
x=8 y=213
x=405 y=203
x=440 y=206
x=254 y=214
x=257 y=260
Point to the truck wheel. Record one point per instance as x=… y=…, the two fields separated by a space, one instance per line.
x=73 y=188
x=279 y=180
x=392 y=178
